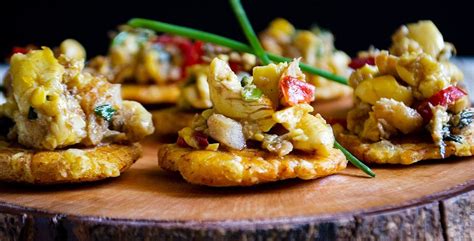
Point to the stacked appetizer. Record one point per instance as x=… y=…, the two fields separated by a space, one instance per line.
x=408 y=102
x=260 y=129
x=63 y=125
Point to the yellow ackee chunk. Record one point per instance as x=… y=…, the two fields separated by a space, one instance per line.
x=38 y=97
x=72 y=49
x=38 y=68
x=267 y=78
x=307 y=132
x=428 y=37
x=280 y=28
x=371 y=90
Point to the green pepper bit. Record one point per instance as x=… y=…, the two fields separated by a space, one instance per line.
x=105 y=111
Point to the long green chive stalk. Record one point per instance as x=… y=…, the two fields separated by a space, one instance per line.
x=247 y=28
x=226 y=42
x=241 y=47
x=354 y=160
x=248 y=31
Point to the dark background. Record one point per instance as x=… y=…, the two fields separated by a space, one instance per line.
x=356 y=24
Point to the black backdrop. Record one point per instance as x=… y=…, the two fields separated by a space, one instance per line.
x=356 y=24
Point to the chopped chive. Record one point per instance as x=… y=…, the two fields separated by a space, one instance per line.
x=354 y=160
x=248 y=31
x=226 y=42
x=105 y=111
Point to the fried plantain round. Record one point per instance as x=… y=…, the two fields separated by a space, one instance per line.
x=406 y=150
x=71 y=165
x=151 y=94
x=247 y=167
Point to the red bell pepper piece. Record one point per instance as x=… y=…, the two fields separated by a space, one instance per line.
x=181 y=142
x=357 y=63
x=201 y=139
x=235 y=67
x=192 y=52
x=295 y=91
x=443 y=97
x=20 y=50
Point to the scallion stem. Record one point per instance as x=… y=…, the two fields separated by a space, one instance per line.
x=248 y=31
x=226 y=42
x=354 y=160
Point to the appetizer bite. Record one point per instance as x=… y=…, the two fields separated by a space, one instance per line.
x=316 y=47
x=259 y=130
x=63 y=125
x=408 y=104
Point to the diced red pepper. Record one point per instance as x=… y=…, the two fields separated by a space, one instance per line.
x=192 y=52
x=20 y=50
x=201 y=139
x=295 y=91
x=357 y=63
x=443 y=97
x=181 y=142
x=235 y=66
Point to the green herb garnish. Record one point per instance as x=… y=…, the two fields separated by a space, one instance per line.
x=105 y=111
x=32 y=115
x=354 y=160
x=248 y=31
x=251 y=93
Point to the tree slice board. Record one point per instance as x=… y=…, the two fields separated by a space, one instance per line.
x=431 y=200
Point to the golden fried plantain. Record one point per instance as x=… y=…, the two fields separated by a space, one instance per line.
x=65 y=166
x=406 y=150
x=169 y=121
x=247 y=167
x=151 y=94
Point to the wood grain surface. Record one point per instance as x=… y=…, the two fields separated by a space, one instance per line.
x=430 y=200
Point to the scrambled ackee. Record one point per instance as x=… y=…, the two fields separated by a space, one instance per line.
x=316 y=47
x=269 y=109
x=411 y=90
x=52 y=103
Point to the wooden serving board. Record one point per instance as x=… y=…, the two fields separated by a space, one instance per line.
x=431 y=200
